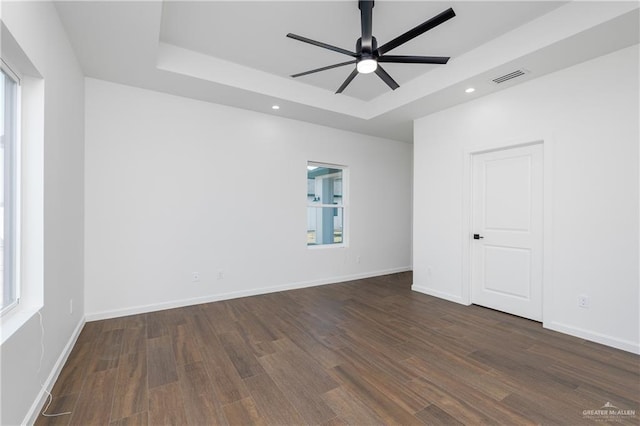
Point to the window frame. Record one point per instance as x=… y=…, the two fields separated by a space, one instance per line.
x=344 y=204
x=12 y=172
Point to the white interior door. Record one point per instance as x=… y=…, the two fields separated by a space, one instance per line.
x=506 y=245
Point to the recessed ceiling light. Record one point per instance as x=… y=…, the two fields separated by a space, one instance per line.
x=470 y=90
x=275 y=107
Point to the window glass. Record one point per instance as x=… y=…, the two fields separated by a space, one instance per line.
x=325 y=204
x=8 y=112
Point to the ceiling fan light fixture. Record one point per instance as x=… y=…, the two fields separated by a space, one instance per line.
x=367 y=66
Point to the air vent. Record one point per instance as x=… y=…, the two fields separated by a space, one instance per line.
x=510 y=76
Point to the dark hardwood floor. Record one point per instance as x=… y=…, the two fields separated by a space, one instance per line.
x=364 y=353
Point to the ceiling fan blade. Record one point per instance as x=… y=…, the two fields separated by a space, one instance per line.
x=348 y=80
x=323 y=45
x=386 y=78
x=415 y=32
x=366 y=20
x=328 y=67
x=414 y=59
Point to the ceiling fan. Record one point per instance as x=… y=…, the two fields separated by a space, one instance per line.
x=368 y=55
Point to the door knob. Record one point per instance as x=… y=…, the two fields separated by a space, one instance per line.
x=477 y=236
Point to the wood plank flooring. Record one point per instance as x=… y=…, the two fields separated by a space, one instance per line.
x=363 y=353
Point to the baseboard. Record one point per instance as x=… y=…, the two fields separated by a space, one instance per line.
x=36 y=407
x=95 y=316
x=439 y=294
x=625 y=345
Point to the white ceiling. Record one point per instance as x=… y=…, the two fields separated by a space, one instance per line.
x=236 y=52
x=238 y=32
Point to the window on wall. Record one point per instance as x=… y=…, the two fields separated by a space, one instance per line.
x=8 y=188
x=326 y=188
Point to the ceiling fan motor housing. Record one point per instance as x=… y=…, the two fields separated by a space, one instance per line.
x=361 y=51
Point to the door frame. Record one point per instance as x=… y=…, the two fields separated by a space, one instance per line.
x=467 y=212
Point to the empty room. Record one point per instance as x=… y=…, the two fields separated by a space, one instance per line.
x=333 y=212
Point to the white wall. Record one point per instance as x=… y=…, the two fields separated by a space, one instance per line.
x=37 y=29
x=588 y=114
x=175 y=186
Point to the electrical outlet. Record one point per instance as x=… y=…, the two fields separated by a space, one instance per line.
x=583 y=301
x=195 y=277
x=357 y=259
x=428 y=271
x=70 y=306
x=220 y=275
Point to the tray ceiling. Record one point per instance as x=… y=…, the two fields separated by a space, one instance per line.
x=236 y=53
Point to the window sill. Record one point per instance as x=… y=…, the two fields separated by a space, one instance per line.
x=326 y=246
x=13 y=320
